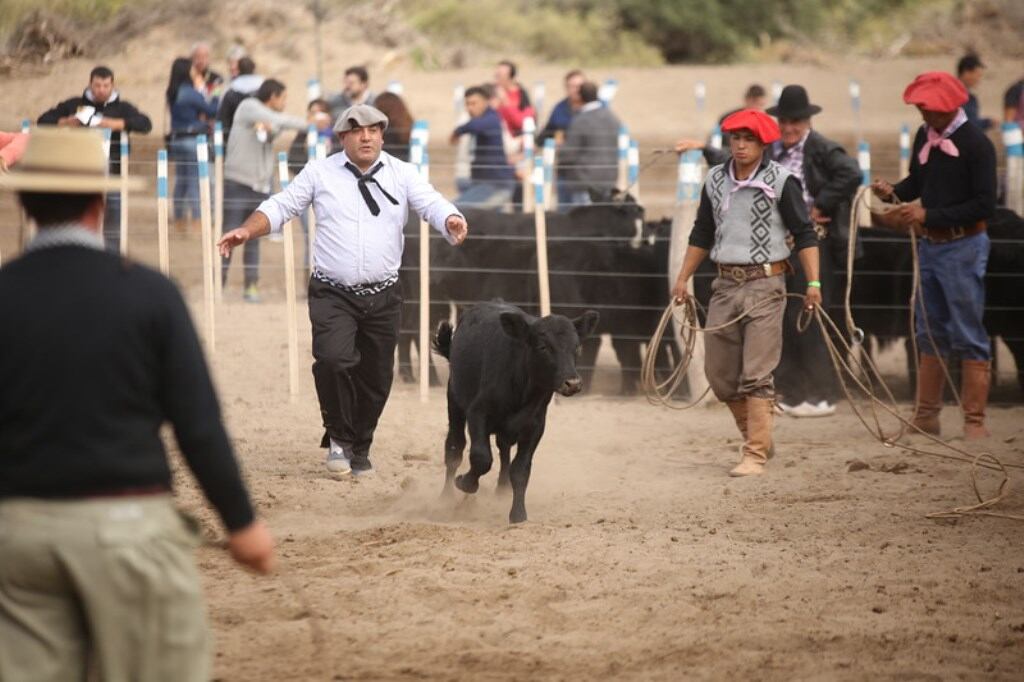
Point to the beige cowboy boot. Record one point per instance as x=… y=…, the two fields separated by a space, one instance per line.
x=976 y=376
x=928 y=402
x=739 y=413
x=758 y=443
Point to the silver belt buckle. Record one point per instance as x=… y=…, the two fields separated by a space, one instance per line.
x=957 y=233
x=767 y=269
x=738 y=274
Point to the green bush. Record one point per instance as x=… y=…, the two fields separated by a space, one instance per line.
x=77 y=11
x=543 y=29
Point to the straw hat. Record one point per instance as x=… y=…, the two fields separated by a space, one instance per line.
x=64 y=160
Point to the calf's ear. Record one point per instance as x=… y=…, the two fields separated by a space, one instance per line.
x=515 y=325
x=586 y=323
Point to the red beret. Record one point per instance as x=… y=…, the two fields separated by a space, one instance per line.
x=936 y=91
x=756 y=121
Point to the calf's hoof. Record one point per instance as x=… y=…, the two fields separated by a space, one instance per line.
x=517 y=516
x=465 y=485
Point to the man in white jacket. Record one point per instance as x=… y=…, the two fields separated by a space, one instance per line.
x=249 y=167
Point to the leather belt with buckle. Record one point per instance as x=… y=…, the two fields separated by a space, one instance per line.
x=742 y=273
x=943 y=235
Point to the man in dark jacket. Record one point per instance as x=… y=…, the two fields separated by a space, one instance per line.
x=493 y=180
x=101 y=106
x=96 y=354
x=829 y=177
x=588 y=161
x=242 y=86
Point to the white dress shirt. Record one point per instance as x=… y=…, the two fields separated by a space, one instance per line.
x=352 y=246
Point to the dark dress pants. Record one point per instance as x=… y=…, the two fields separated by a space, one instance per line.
x=239 y=202
x=354 y=340
x=805 y=372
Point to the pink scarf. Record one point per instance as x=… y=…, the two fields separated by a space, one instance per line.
x=941 y=140
x=752 y=181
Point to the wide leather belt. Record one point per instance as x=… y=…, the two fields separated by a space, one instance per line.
x=742 y=273
x=942 y=235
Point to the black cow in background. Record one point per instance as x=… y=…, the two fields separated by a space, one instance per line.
x=505 y=367
x=602 y=256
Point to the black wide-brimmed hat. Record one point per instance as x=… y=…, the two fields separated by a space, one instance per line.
x=793 y=104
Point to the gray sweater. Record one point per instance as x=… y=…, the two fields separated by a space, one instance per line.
x=589 y=158
x=249 y=161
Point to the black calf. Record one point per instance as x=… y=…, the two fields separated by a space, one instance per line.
x=505 y=366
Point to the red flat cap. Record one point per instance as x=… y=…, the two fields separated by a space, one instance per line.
x=756 y=121
x=936 y=91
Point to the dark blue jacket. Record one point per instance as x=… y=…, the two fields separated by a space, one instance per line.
x=489 y=161
x=191 y=112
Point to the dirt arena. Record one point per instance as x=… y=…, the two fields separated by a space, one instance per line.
x=642 y=559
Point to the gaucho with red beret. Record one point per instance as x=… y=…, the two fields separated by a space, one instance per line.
x=748 y=206
x=946 y=199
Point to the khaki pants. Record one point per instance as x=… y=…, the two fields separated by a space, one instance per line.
x=100 y=587
x=739 y=360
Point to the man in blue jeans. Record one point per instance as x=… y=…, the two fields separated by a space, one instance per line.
x=492 y=179
x=953 y=174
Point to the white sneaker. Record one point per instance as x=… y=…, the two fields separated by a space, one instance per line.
x=819 y=409
x=783 y=408
x=338 y=460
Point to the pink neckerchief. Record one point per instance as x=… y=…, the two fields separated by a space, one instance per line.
x=941 y=140
x=752 y=181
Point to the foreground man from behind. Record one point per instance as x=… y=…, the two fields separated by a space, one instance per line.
x=361 y=198
x=953 y=174
x=746 y=207
x=96 y=566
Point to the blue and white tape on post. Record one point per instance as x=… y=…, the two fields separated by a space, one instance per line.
x=1013 y=139
x=218 y=140
x=312 y=135
x=904 y=143
x=203 y=156
x=161 y=174
x=634 y=163
x=855 y=96
x=688 y=181
x=26 y=126
x=864 y=161
x=538 y=183
x=282 y=170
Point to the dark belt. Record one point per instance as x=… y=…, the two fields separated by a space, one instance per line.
x=942 y=235
x=742 y=273
x=367 y=289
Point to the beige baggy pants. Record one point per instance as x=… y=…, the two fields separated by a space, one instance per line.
x=100 y=588
x=739 y=360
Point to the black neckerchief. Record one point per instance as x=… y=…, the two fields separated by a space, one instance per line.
x=363 y=180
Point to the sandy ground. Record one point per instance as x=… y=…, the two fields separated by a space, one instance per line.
x=641 y=558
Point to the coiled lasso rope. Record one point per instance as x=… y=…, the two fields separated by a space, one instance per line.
x=862 y=373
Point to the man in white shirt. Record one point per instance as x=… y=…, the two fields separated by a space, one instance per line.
x=361 y=199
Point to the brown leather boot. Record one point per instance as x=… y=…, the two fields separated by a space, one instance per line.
x=738 y=408
x=928 y=403
x=976 y=375
x=760 y=416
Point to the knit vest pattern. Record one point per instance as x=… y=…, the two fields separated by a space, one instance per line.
x=751 y=231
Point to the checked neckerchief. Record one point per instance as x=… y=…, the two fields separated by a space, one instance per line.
x=366 y=178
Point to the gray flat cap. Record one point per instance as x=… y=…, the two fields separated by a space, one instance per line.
x=361 y=115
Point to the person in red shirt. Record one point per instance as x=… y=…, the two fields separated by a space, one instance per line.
x=513 y=102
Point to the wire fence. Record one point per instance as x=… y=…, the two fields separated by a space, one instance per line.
x=618 y=266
